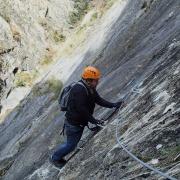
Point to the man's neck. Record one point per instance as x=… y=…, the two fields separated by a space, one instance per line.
x=85 y=82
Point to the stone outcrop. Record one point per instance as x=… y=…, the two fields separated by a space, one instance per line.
x=137 y=47
x=29 y=32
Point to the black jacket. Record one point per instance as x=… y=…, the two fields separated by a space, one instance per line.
x=81 y=105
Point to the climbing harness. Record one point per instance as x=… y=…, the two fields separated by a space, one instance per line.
x=97 y=126
x=95 y=130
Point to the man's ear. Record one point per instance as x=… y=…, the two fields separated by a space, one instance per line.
x=88 y=82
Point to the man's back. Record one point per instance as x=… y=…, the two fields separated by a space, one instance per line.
x=81 y=104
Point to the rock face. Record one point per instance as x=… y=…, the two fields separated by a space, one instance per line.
x=137 y=47
x=28 y=35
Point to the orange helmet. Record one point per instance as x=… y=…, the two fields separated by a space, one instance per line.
x=91 y=72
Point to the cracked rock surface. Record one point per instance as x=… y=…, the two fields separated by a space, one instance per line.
x=27 y=35
x=139 y=56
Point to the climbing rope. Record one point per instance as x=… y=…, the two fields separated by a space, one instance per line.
x=138 y=160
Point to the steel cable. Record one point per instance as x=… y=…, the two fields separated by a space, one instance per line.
x=138 y=160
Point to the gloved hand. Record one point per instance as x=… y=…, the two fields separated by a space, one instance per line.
x=101 y=122
x=96 y=128
x=118 y=104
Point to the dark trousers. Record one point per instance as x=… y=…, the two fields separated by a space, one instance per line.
x=74 y=134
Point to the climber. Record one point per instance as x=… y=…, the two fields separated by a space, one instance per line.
x=81 y=104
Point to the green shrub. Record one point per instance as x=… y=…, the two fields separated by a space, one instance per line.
x=58 y=37
x=25 y=78
x=55 y=85
x=171 y=150
x=94 y=16
x=80 y=9
x=109 y=3
x=52 y=85
x=46 y=60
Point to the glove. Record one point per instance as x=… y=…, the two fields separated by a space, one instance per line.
x=101 y=122
x=96 y=128
x=118 y=104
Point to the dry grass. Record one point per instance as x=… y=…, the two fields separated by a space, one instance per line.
x=25 y=78
x=52 y=85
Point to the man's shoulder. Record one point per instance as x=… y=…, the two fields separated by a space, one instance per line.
x=79 y=87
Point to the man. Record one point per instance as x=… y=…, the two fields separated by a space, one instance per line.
x=82 y=99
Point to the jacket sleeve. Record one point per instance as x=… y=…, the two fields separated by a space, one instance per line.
x=80 y=98
x=102 y=102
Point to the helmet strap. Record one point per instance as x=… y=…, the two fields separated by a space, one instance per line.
x=86 y=81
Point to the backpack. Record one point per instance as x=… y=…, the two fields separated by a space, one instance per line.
x=64 y=96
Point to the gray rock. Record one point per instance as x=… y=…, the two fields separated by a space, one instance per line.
x=27 y=31
x=137 y=50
